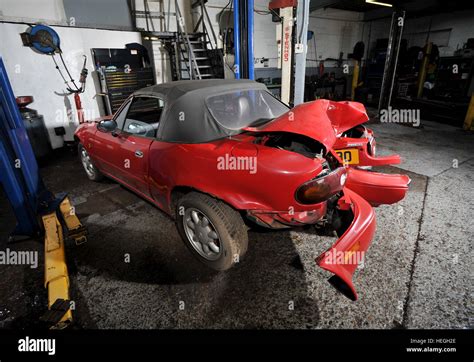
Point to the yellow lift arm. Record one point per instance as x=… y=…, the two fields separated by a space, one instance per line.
x=56 y=275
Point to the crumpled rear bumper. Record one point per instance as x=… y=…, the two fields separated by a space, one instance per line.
x=285 y=219
x=344 y=256
x=378 y=188
x=368 y=160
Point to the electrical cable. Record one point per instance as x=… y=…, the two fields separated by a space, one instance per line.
x=83 y=76
x=59 y=70
x=224 y=36
x=223 y=10
x=67 y=70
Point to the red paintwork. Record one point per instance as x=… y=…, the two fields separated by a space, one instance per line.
x=357 y=238
x=362 y=144
x=346 y=115
x=378 y=188
x=266 y=196
x=312 y=119
x=280 y=4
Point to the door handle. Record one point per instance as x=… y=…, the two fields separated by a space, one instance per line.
x=138 y=154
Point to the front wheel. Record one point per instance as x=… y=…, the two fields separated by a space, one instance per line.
x=213 y=231
x=92 y=172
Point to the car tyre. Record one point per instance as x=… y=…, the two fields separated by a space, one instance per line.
x=91 y=171
x=213 y=231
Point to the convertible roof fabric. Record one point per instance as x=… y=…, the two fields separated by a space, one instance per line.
x=186 y=117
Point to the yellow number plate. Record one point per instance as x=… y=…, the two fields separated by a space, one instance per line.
x=349 y=156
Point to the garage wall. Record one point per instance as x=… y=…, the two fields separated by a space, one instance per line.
x=335 y=31
x=264 y=29
x=34 y=74
x=50 y=11
x=104 y=14
x=450 y=30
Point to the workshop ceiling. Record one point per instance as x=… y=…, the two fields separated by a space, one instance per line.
x=412 y=7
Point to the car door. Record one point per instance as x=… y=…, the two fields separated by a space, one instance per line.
x=138 y=133
x=106 y=145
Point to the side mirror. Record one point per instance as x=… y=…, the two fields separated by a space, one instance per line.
x=108 y=125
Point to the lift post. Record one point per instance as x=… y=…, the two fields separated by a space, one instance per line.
x=292 y=47
x=301 y=49
x=391 y=60
x=286 y=10
x=243 y=39
x=38 y=212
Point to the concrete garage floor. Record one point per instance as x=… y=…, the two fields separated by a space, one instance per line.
x=417 y=272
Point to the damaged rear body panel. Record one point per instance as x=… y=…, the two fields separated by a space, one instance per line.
x=321 y=129
x=357 y=147
x=355 y=143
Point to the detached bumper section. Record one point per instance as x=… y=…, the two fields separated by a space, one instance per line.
x=349 y=250
x=378 y=188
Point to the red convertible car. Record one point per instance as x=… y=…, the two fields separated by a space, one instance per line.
x=217 y=155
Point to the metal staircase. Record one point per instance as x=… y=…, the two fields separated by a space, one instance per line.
x=193 y=55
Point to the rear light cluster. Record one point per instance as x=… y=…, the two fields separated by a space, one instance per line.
x=322 y=187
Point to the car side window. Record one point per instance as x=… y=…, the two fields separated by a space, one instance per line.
x=143 y=116
x=120 y=118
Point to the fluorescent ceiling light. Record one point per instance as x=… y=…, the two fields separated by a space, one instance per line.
x=378 y=3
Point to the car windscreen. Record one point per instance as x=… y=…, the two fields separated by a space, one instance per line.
x=244 y=108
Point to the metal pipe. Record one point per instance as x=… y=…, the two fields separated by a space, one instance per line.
x=302 y=20
x=206 y=16
x=399 y=34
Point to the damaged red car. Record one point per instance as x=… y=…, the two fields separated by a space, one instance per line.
x=355 y=143
x=218 y=155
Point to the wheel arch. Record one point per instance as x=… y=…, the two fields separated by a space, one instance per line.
x=181 y=190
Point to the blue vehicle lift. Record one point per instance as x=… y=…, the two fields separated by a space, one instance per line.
x=38 y=212
x=243 y=39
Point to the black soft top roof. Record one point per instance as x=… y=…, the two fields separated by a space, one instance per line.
x=199 y=87
x=186 y=118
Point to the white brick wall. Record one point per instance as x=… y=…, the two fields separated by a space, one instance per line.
x=335 y=31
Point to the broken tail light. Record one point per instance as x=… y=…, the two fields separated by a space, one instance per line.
x=322 y=187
